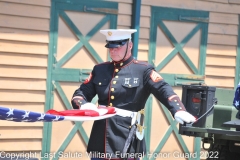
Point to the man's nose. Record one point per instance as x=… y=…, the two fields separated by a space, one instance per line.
x=113 y=49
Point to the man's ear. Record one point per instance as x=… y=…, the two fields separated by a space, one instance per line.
x=130 y=45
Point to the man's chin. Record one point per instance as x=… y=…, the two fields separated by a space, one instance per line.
x=116 y=59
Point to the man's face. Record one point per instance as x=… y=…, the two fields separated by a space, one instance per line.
x=117 y=54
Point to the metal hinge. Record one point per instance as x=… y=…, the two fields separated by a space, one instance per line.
x=195 y=19
x=190 y=77
x=103 y=10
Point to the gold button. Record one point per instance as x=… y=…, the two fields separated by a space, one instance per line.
x=175 y=100
x=177 y=103
x=99 y=83
x=110 y=104
x=112 y=97
x=116 y=76
x=116 y=70
x=114 y=82
x=121 y=64
x=112 y=89
x=180 y=107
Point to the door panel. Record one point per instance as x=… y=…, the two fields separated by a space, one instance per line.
x=177 y=48
x=76 y=46
x=180 y=42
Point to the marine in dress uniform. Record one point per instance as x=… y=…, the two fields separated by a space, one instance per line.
x=125 y=84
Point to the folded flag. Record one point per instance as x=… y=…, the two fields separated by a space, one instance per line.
x=18 y=115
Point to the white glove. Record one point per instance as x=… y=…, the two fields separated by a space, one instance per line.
x=91 y=106
x=183 y=116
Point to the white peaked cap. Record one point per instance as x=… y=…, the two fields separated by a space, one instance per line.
x=117 y=34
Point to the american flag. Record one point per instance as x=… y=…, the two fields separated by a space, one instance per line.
x=18 y=115
x=236 y=99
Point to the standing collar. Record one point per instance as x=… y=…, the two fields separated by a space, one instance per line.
x=123 y=63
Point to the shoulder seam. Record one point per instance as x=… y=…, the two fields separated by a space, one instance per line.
x=141 y=62
x=108 y=62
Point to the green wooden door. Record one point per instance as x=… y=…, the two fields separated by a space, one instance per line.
x=177 y=48
x=75 y=47
x=196 y=22
x=237 y=72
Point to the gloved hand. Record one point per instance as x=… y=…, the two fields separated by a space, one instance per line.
x=89 y=106
x=183 y=116
x=93 y=107
x=77 y=102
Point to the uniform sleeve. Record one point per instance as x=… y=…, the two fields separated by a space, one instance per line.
x=162 y=90
x=87 y=89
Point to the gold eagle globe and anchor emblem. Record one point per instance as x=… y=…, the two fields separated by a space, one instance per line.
x=109 y=33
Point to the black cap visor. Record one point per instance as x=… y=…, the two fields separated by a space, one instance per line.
x=116 y=44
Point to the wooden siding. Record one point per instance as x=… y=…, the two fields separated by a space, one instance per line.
x=222 y=35
x=24 y=38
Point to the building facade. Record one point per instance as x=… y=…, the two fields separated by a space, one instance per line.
x=48 y=48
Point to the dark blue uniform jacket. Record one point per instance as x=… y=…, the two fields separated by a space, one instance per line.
x=125 y=85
